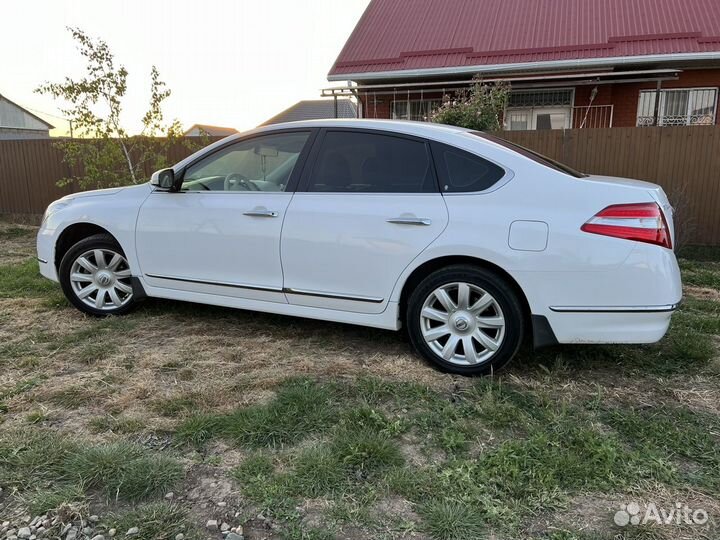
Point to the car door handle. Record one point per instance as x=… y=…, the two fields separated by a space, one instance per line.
x=260 y=213
x=410 y=221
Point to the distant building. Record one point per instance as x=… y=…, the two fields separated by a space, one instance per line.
x=315 y=109
x=19 y=123
x=202 y=130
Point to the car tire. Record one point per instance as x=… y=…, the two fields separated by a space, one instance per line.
x=96 y=267
x=464 y=306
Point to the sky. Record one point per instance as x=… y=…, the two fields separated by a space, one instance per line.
x=229 y=63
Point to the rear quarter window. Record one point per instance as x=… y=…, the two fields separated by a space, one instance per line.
x=463 y=172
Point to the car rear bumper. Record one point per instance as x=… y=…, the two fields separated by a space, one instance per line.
x=628 y=326
x=630 y=303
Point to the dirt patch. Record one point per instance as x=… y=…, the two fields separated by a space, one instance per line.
x=18 y=242
x=703 y=293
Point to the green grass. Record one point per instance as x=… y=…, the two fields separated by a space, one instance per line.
x=299 y=409
x=123 y=471
x=701 y=274
x=19 y=387
x=115 y=424
x=450 y=520
x=120 y=471
x=178 y=405
x=156 y=521
x=24 y=281
x=678 y=434
x=543 y=452
x=43 y=501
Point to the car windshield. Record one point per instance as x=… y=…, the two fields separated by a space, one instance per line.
x=530 y=154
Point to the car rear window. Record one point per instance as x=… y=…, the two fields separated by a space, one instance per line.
x=531 y=154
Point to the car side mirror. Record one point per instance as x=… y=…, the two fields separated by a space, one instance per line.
x=164 y=178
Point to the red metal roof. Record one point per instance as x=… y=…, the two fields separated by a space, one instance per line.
x=397 y=35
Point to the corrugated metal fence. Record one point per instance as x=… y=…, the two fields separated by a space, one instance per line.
x=684 y=160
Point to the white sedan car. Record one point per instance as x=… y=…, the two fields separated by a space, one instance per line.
x=466 y=241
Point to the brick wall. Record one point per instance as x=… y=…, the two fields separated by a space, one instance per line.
x=624 y=97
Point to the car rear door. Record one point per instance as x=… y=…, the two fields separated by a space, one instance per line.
x=367 y=205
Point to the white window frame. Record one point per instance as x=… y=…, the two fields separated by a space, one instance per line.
x=437 y=101
x=532 y=110
x=663 y=93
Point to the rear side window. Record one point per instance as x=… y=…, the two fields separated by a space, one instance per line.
x=463 y=172
x=363 y=162
x=531 y=154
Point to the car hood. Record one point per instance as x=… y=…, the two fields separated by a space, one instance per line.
x=104 y=192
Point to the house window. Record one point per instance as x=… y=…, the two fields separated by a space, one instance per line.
x=419 y=109
x=681 y=107
x=539 y=109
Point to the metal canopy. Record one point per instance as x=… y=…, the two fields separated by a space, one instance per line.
x=517 y=81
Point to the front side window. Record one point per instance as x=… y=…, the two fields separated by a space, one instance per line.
x=681 y=107
x=263 y=163
x=372 y=163
x=463 y=172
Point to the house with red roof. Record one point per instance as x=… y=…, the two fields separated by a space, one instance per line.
x=570 y=63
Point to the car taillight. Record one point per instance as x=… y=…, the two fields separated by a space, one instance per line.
x=642 y=222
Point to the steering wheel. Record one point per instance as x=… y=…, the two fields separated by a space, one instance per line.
x=236 y=179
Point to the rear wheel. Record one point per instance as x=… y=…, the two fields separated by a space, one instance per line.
x=465 y=319
x=95 y=276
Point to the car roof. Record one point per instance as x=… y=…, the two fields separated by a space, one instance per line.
x=420 y=129
x=427 y=130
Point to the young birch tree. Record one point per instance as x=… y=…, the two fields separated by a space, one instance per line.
x=105 y=154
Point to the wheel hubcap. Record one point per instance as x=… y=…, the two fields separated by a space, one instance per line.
x=462 y=323
x=100 y=278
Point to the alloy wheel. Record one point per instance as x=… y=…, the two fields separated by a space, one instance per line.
x=100 y=278
x=462 y=323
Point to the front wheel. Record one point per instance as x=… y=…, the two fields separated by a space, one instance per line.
x=95 y=277
x=466 y=320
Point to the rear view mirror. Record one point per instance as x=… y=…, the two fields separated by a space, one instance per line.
x=164 y=178
x=266 y=151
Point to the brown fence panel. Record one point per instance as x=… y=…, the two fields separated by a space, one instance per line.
x=31 y=169
x=684 y=160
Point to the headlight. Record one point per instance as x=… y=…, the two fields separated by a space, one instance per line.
x=54 y=207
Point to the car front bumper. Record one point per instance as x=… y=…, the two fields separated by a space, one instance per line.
x=46 y=253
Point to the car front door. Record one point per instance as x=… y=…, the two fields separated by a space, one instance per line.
x=368 y=207
x=220 y=233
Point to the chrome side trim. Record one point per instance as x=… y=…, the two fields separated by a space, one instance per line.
x=616 y=309
x=336 y=296
x=41 y=260
x=219 y=283
x=301 y=292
